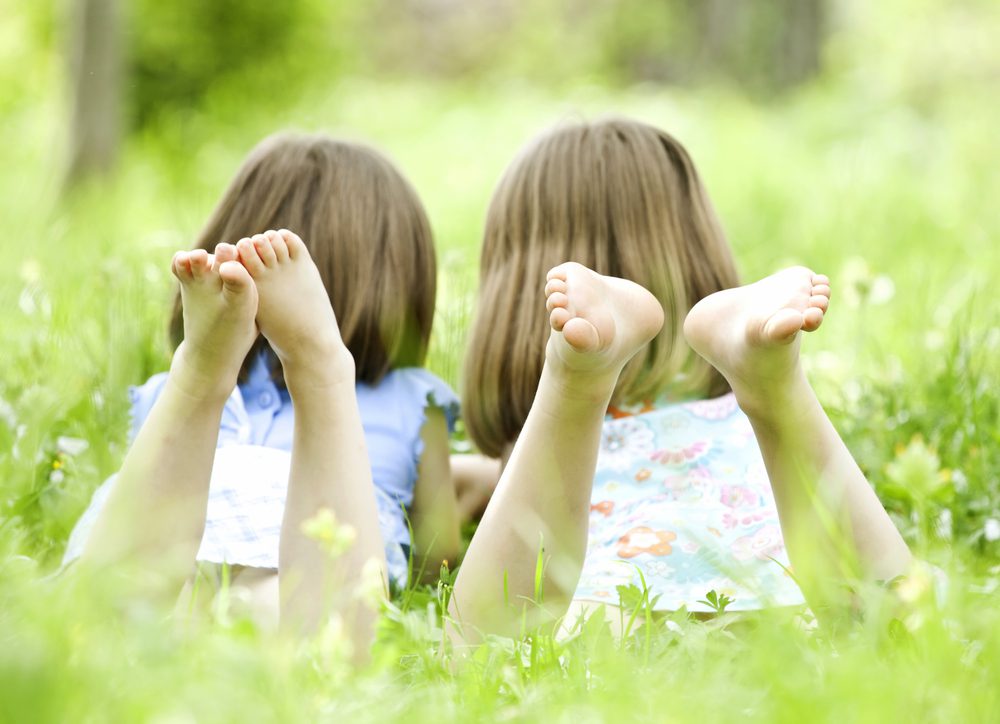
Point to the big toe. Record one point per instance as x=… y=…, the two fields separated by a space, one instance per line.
x=181 y=266
x=235 y=278
x=581 y=335
x=782 y=326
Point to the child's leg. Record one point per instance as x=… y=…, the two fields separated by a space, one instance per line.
x=543 y=495
x=831 y=519
x=155 y=515
x=330 y=467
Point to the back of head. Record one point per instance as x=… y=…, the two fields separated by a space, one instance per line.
x=364 y=227
x=622 y=198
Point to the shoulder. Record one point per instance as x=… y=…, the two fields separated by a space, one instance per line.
x=416 y=389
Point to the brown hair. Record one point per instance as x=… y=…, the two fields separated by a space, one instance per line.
x=622 y=198
x=364 y=227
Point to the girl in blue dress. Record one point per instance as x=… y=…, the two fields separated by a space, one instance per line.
x=331 y=320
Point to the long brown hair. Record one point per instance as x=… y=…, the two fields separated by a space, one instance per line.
x=364 y=227
x=622 y=198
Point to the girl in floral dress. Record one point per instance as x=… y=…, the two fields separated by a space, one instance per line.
x=656 y=424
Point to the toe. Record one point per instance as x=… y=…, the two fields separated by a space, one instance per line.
x=201 y=262
x=782 y=325
x=823 y=289
x=249 y=257
x=225 y=252
x=555 y=285
x=818 y=301
x=180 y=265
x=278 y=245
x=818 y=279
x=581 y=334
x=558 y=272
x=812 y=318
x=558 y=318
x=235 y=277
x=556 y=300
x=296 y=247
x=264 y=250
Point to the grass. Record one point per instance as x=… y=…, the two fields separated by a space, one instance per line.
x=894 y=201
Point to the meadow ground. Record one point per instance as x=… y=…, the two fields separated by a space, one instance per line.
x=894 y=200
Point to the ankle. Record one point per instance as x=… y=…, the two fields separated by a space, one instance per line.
x=193 y=378
x=774 y=402
x=571 y=389
x=322 y=367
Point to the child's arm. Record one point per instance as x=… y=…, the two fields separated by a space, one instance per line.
x=475 y=478
x=434 y=515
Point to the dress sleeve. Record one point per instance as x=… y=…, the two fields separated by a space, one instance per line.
x=143 y=397
x=81 y=531
x=429 y=390
x=425 y=389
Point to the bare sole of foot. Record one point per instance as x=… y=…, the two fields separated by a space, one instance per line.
x=751 y=333
x=219 y=302
x=294 y=311
x=598 y=322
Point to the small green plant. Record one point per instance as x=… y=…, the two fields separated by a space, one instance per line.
x=717 y=601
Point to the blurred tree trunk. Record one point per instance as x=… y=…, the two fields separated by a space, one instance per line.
x=721 y=25
x=95 y=60
x=772 y=44
x=800 y=42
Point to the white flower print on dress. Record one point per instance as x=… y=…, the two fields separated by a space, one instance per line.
x=658 y=568
x=739 y=496
x=765 y=543
x=624 y=443
x=718 y=408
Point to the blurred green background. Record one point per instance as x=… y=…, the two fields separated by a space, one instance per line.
x=857 y=137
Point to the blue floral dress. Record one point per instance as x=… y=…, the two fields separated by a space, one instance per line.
x=681 y=499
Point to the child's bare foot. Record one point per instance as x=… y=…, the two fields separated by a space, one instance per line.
x=294 y=312
x=598 y=322
x=751 y=333
x=219 y=300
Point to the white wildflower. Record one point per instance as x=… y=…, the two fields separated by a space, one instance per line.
x=882 y=290
x=944 y=524
x=914 y=585
x=71 y=445
x=991 y=529
x=34 y=300
x=860 y=286
x=7 y=415
x=675 y=627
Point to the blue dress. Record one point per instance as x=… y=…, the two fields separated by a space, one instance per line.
x=250 y=474
x=682 y=502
